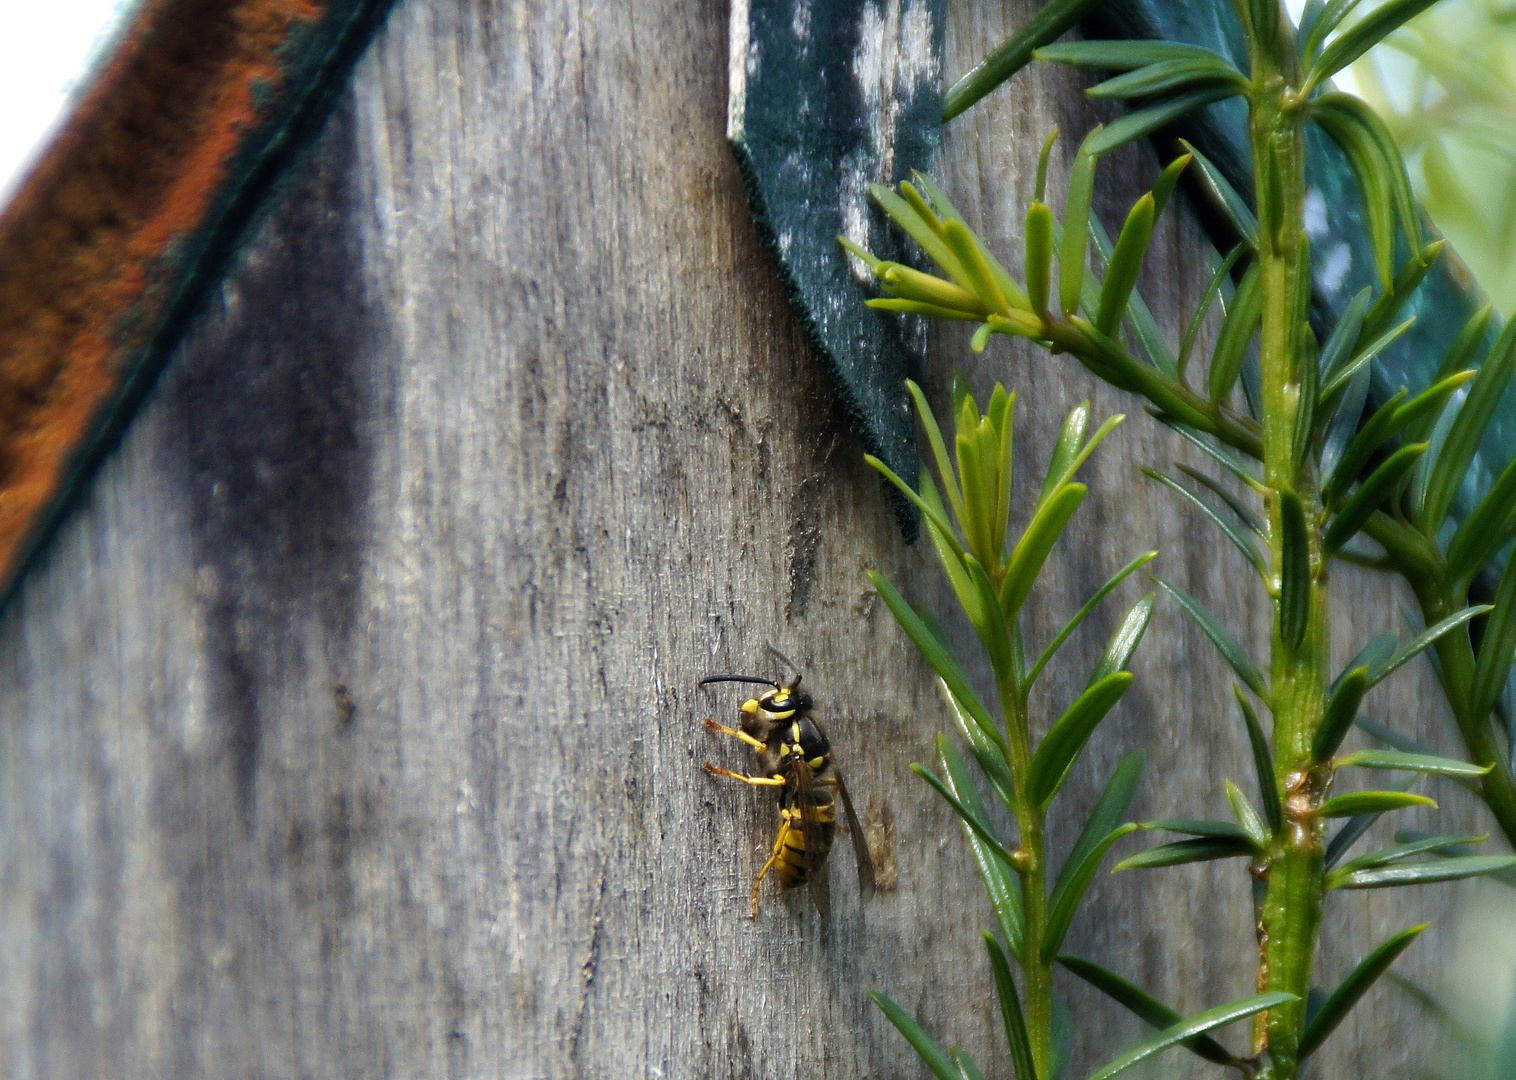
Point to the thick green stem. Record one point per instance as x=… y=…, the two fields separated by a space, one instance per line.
x=1291 y=912
x=1036 y=973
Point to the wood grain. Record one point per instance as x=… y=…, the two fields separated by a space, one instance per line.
x=350 y=727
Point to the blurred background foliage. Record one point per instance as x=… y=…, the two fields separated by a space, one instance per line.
x=1446 y=85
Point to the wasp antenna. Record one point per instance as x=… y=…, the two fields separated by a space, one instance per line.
x=789 y=664
x=739 y=678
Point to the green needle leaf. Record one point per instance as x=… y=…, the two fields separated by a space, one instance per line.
x=967 y=1067
x=1379 y=648
x=1146 y=1006
x=1238 y=538
x=1422 y=640
x=993 y=633
x=1468 y=429
x=929 y=511
x=1345 y=334
x=1140 y=122
x=1374 y=433
x=1488 y=529
x=1010 y=1011
x=1000 y=881
x=1214 y=830
x=1371 y=494
x=1039 y=256
x=1079 y=616
x=1247 y=818
x=916 y=307
x=1076 y=227
x=921 y=226
x=1126 y=261
x=1013 y=54
x=1032 y=549
x=949 y=554
x=1371 y=802
x=1124 y=55
x=938 y=655
x=1168 y=180
x=981 y=828
x=1224 y=197
x=1358 y=39
x=1352 y=830
x=1201 y=849
x=1168 y=76
x=1399 y=759
x=985 y=752
x=1426 y=873
x=1061 y=747
x=1458 y=358
x=1042 y=166
x=1294 y=570
x=1236 y=332
x=1341 y=709
x=1263 y=763
x=1377 y=651
x=1232 y=652
x=1223 y=456
x=1207 y=298
x=1353 y=987
x=1399 y=852
x=1068 y=466
x=1336 y=380
x=1245 y=514
x=910 y=284
x=1140 y=317
x=1317 y=21
x=1368 y=165
x=1407 y=280
x=942 y=1067
x=982 y=281
x=1070 y=439
x=1102 y=830
x=1124 y=642
x=1178 y=1033
x=1497 y=648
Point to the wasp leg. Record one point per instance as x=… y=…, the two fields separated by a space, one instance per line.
x=766 y=781
x=784 y=832
x=756 y=744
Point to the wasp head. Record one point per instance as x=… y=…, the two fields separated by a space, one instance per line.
x=780 y=703
x=762 y=715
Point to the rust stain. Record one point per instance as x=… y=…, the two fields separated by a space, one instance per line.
x=89 y=244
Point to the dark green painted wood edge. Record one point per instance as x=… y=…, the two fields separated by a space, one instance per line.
x=810 y=126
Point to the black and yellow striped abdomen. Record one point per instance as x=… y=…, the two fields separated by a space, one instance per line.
x=789 y=847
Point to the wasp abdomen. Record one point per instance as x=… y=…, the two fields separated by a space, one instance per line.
x=790 y=846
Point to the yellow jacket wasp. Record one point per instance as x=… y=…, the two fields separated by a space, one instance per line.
x=796 y=758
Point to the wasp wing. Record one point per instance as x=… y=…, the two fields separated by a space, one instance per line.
x=816 y=846
x=860 y=843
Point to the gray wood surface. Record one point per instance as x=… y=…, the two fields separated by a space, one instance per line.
x=350 y=727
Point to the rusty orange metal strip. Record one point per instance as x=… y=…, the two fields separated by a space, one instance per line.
x=134 y=210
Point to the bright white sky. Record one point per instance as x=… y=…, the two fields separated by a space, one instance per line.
x=43 y=51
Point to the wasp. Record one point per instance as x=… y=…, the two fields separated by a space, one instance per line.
x=796 y=758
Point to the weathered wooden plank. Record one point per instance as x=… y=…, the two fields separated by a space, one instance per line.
x=350 y=727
